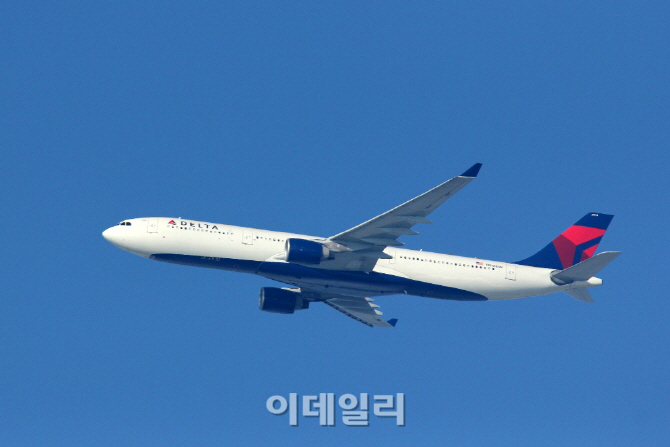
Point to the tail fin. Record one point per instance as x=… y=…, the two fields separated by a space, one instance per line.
x=574 y=245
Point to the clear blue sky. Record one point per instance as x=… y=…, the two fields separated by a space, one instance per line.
x=313 y=117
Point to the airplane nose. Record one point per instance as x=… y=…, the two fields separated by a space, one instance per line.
x=112 y=235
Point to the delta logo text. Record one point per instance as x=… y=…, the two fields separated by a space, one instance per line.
x=354 y=409
x=184 y=223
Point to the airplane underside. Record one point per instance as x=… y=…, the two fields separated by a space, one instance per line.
x=359 y=284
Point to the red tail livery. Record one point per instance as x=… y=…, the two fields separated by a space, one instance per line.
x=574 y=245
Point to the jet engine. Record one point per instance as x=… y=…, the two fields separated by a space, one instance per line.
x=302 y=251
x=281 y=301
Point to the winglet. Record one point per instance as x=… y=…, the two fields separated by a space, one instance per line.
x=473 y=171
x=392 y=321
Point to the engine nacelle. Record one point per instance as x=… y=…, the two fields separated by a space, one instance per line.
x=302 y=251
x=281 y=301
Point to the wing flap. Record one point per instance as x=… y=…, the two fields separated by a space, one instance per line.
x=399 y=231
x=362 y=310
x=381 y=241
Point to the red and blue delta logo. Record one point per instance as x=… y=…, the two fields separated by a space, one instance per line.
x=576 y=244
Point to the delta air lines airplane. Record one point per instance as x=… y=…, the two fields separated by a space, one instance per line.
x=345 y=270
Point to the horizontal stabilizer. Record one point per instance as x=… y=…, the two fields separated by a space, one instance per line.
x=585 y=269
x=580 y=294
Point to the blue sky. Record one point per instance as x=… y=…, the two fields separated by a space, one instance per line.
x=311 y=118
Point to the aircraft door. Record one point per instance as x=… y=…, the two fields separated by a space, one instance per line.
x=510 y=272
x=152 y=226
x=248 y=237
x=392 y=260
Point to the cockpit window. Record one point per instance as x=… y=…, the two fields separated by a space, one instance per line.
x=124 y=223
x=128 y=223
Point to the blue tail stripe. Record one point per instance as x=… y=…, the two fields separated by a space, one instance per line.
x=545 y=258
x=596 y=220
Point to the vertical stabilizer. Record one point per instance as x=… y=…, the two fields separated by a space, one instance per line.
x=576 y=244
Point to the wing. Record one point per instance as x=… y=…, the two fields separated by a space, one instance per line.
x=360 y=247
x=360 y=309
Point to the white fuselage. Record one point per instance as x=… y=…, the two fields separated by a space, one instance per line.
x=258 y=251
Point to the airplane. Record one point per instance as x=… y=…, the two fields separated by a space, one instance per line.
x=346 y=270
